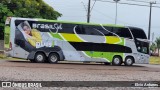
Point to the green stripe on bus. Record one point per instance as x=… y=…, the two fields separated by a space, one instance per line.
x=56 y=36
x=108 y=55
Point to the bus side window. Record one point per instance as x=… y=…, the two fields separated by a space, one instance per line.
x=80 y=29
x=122 y=32
x=91 y=30
x=83 y=30
x=106 y=30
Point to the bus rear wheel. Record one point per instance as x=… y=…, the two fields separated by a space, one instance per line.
x=129 y=61
x=40 y=57
x=117 y=61
x=53 y=58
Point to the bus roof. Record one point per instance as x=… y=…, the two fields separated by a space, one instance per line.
x=84 y=23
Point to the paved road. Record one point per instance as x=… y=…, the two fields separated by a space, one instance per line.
x=26 y=71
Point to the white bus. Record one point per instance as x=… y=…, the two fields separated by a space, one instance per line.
x=41 y=40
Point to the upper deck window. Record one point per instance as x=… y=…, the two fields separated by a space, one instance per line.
x=122 y=32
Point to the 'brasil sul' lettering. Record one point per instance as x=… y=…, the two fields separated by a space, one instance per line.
x=54 y=26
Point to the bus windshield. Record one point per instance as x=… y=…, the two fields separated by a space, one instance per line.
x=142 y=46
x=138 y=33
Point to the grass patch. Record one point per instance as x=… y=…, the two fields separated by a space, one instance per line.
x=2 y=56
x=154 y=60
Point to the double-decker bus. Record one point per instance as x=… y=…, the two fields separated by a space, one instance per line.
x=41 y=40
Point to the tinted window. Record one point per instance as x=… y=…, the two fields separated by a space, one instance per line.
x=67 y=28
x=91 y=30
x=122 y=32
x=138 y=33
x=106 y=30
x=88 y=30
x=142 y=47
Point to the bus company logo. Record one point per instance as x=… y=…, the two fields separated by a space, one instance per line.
x=55 y=26
x=6 y=84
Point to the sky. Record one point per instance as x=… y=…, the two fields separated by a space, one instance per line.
x=105 y=13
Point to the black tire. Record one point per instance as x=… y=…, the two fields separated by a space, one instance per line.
x=53 y=58
x=117 y=61
x=32 y=60
x=107 y=63
x=40 y=57
x=129 y=61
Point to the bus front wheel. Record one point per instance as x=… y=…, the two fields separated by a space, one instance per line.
x=129 y=61
x=117 y=61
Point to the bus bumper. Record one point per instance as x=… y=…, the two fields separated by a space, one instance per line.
x=142 y=59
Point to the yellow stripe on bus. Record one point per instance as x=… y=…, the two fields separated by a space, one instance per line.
x=112 y=39
x=71 y=37
x=74 y=38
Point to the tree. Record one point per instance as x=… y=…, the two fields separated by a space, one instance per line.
x=153 y=47
x=26 y=9
x=32 y=9
x=4 y=12
x=158 y=43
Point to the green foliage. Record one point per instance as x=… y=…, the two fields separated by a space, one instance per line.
x=153 y=47
x=32 y=9
x=158 y=42
x=4 y=12
x=26 y=9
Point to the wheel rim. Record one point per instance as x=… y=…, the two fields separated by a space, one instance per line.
x=116 y=61
x=129 y=61
x=53 y=58
x=39 y=57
